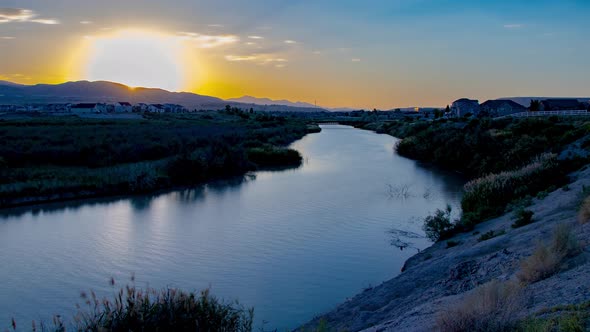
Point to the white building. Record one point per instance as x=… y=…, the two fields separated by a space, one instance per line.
x=123 y=107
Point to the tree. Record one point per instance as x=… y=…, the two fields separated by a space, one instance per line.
x=448 y=109
x=438 y=226
x=535 y=106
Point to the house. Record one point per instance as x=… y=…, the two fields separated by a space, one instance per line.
x=464 y=106
x=123 y=107
x=561 y=105
x=156 y=108
x=8 y=108
x=88 y=108
x=174 y=108
x=495 y=108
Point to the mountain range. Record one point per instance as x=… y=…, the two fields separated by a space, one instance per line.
x=109 y=92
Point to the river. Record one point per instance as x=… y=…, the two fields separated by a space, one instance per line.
x=290 y=243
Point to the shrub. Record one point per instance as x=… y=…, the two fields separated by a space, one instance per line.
x=439 y=226
x=584 y=212
x=490 y=307
x=269 y=156
x=451 y=244
x=547 y=259
x=522 y=218
x=490 y=235
x=488 y=196
x=133 y=309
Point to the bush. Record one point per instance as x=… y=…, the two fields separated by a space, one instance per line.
x=451 y=244
x=547 y=258
x=490 y=235
x=439 y=226
x=170 y=309
x=584 y=212
x=490 y=307
x=522 y=218
x=488 y=196
x=269 y=156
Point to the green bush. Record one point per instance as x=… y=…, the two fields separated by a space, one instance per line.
x=488 y=196
x=523 y=218
x=490 y=235
x=270 y=156
x=439 y=226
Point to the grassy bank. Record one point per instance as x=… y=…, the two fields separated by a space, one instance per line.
x=50 y=158
x=507 y=160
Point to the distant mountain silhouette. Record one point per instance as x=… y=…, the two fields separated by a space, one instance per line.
x=109 y=92
x=100 y=91
x=267 y=101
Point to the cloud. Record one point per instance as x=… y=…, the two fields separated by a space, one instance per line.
x=513 y=26
x=255 y=37
x=7 y=38
x=10 y=15
x=288 y=41
x=356 y=60
x=85 y=22
x=210 y=41
x=259 y=58
x=215 y=25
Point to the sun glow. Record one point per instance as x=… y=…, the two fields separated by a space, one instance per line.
x=137 y=58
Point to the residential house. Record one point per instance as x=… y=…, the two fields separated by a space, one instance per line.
x=88 y=108
x=495 y=108
x=123 y=107
x=561 y=105
x=174 y=108
x=8 y=108
x=156 y=108
x=464 y=106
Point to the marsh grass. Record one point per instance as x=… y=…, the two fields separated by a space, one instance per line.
x=488 y=196
x=135 y=309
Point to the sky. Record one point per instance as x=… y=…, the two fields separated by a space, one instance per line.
x=336 y=53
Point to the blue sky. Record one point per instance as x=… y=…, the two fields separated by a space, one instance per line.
x=371 y=53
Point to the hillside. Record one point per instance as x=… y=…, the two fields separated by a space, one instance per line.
x=109 y=92
x=441 y=285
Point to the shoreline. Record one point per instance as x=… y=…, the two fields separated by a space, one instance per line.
x=440 y=277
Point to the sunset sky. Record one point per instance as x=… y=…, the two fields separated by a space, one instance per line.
x=371 y=53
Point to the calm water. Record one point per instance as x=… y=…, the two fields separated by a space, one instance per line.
x=292 y=243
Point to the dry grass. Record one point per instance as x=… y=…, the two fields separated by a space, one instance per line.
x=584 y=212
x=490 y=307
x=548 y=258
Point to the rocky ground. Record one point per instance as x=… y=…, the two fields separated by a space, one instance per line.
x=437 y=279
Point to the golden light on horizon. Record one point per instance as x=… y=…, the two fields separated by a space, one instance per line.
x=137 y=58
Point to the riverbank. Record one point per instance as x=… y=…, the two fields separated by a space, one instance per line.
x=487 y=253
x=442 y=280
x=51 y=159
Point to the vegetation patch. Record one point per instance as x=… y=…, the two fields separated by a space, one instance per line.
x=170 y=309
x=439 y=226
x=50 y=158
x=522 y=218
x=490 y=235
x=548 y=258
x=584 y=211
x=489 y=307
x=488 y=196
